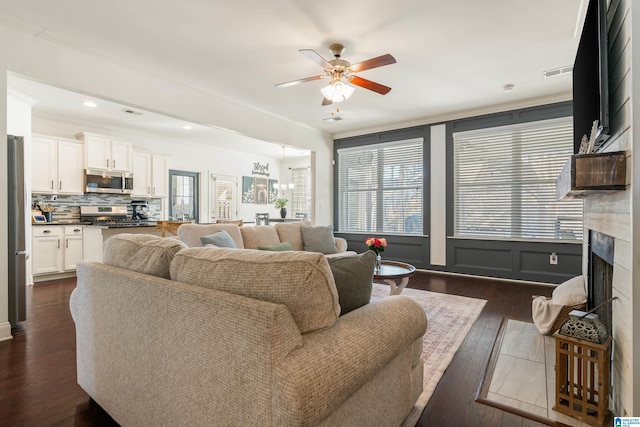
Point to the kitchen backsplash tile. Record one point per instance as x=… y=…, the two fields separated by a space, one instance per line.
x=67 y=208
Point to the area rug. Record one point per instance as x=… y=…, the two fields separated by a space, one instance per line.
x=520 y=375
x=450 y=318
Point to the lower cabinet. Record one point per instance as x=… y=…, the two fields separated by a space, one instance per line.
x=55 y=249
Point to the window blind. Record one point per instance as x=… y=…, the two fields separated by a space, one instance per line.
x=380 y=188
x=504 y=182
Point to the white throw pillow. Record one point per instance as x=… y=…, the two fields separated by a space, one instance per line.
x=571 y=292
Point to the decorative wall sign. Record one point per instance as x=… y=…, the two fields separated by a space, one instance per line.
x=260 y=169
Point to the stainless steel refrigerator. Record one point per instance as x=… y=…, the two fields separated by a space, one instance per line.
x=16 y=231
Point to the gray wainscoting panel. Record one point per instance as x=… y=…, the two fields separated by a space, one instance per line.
x=482 y=258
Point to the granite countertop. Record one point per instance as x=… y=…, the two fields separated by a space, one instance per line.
x=63 y=222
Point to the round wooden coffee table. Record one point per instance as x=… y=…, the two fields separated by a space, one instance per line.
x=390 y=271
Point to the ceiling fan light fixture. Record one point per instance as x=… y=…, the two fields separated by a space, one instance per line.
x=337 y=91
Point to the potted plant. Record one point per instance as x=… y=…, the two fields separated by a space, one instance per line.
x=280 y=204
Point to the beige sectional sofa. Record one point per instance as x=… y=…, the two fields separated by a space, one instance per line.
x=174 y=336
x=255 y=237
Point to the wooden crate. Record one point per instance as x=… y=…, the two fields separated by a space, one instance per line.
x=582 y=379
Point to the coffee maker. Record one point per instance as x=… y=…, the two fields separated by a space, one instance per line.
x=140 y=209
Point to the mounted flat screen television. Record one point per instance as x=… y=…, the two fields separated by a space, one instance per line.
x=591 y=77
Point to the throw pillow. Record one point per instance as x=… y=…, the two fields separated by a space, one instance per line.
x=319 y=239
x=571 y=292
x=354 y=279
x=284 y=246
x=221 y=239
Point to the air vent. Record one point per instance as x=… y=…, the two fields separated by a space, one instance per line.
x=558 y=71
x=130 y=111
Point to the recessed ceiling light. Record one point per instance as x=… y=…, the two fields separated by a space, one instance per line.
x=90 y=104
x=332 y=119
x=187 y=127
x=508 y=87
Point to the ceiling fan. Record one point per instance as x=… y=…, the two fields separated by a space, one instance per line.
x=338 y=69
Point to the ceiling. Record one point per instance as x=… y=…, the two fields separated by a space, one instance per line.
x=454 y=57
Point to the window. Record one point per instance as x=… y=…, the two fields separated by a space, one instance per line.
x=301 y=194
x=504 y=182
x=380 y=188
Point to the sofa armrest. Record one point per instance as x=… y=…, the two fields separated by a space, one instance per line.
x=312 y=381
x=341 y=244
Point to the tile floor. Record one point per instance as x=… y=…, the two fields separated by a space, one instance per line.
x=524 y=376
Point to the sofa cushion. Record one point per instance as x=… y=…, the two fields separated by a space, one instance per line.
x=143 y=253
x=191 y=233
x=221 y=239
x=302 y=281
x=354 y=279
x=262 y=235
x=290 y=232
x=319 y=239
x=278 y=247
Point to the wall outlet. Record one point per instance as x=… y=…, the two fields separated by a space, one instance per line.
x=553 y=259
x=54 y=197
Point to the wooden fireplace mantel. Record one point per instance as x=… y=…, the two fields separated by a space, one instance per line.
x=587 y=174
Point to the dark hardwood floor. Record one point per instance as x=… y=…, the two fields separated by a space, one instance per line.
x=38 y=377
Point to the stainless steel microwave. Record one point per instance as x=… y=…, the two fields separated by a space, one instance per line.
x=97 y=181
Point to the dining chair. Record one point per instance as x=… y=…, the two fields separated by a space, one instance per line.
x=262 y=219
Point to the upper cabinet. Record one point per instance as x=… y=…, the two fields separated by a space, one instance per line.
x=105 y=153
x=150 y=175
x=56 y=166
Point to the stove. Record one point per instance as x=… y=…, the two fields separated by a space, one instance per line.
x=111 y=217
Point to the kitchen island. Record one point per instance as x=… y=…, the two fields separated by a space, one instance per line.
x=95 y=236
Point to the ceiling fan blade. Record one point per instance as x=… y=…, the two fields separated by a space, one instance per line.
x=373 y=63
x=295 y=82
x=315 y=57
x=368 y=84
x=326 y=101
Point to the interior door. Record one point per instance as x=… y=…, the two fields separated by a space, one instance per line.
x=222 y=198
x=183 y=196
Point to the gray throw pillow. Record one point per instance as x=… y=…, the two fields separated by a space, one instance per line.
x=221 y=239
x=319 y=239
x=279 y=247
x=354 y=279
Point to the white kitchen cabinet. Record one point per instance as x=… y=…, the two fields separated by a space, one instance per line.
x=105 y=153
x=72 y=247
x=46 y=256
x=150 y=175
x=55 y=249
x=56 y=166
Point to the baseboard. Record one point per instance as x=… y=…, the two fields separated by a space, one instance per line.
x=5 y=331
x=498 y=279
x=56 y=276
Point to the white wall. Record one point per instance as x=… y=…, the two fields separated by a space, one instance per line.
x=132 y=84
